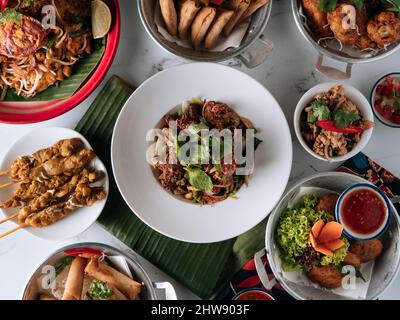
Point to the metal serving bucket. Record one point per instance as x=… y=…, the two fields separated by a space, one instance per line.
x=337 y=55
x=386 y=265
x=252 y=52
x=149 y=291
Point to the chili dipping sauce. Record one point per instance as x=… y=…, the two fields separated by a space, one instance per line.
x=363 y=211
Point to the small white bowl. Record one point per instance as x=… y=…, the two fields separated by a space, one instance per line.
x=358 y=236
x=354 y=95
x=381 y=118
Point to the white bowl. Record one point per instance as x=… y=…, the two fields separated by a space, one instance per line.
x=76 y=222
x=187 y=221
x=353 y=94
x=381 y=118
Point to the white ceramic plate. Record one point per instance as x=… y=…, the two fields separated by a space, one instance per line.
x=354 y=95
x=179 y=219
x=76 y=222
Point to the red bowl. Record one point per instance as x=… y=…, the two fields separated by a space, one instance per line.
x=36 y=111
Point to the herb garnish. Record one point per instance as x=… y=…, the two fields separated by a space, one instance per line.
x=99 y=291
x=10 y=14
x=317 y=110
x=344 y=118
x=199 y=179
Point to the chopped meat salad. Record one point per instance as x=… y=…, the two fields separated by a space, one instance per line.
x=332 y=124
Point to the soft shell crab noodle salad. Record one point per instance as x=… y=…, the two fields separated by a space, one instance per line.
x=41 y=41
x=311 y=241
x=332 y=124
x=204 y=152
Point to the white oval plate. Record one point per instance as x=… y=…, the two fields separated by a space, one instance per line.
x=164 y=212
x=76 y=222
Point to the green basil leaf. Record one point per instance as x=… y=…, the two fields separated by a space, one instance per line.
x=199 y=179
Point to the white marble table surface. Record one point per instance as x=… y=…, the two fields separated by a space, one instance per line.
x=286 y=74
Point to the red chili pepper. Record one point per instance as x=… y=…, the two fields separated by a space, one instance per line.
x=83 y=252
x=3 y=5
x=329 y=125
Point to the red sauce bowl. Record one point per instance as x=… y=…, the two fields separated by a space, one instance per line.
x=364 y=212
x=37 y=111
x=253 y=294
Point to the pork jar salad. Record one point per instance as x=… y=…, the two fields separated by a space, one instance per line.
x=204 y=152
x=332 y=124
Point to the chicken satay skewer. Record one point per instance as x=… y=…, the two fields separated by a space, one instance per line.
x=7 y=184
x=63 y=148
x=60 y=186
x=9 y=218
x=5 y=172
x=84 y=196
x=23 y=172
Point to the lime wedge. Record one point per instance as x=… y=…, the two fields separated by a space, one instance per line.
x=101 y=19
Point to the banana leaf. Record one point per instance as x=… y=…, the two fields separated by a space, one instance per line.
x=203 y=268
x=66 y=88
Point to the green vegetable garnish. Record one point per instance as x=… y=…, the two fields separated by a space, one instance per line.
x=65 y=261
x=293 y=232
x=10 y=14
x=344 y=118
x=338 y=255
x=199 y=179
x=317 y=110
x=392 y=5
x=99 y=291
x=330 y=5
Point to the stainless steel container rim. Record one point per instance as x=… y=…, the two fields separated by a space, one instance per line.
x=91 y=244
x=329 y=53
x=227 y=54
x=270 y=226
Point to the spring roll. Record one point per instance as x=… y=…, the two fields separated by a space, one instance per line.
x=74 y=284
x=239 y=7
x=113 y=278
x=187 y=12
x=201 y=24
x=254 y=6
x=223 y=16
x=169 y=15
x=45 y=296
x=117 y=295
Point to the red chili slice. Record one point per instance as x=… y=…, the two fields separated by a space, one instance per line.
x=329 y=125
x=3 y=5
x=83 y=252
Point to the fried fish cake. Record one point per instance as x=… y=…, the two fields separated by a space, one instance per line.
x=352 y=260
x=327 y=203
x=326 y=276
x=367 y=250
x=384 y=29
x=317 y=17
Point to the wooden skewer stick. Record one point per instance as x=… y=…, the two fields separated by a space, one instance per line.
x=11 y=231
x=9 y=218
x=7 y=184
x=5 y=172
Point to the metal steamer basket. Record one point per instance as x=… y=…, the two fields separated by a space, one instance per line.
x=150 y=289
x=253 y=50
x=386 y=266
x=335 y=54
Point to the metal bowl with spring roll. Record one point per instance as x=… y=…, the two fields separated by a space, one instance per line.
x=253 y=50
x=149 y=290
x=338 y=55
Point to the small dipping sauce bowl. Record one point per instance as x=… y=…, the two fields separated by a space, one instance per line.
x=253 y=294
x=364 y=212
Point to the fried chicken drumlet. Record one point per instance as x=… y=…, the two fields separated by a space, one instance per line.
x=384 y=29
x=317 y=17
x=345 y=32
